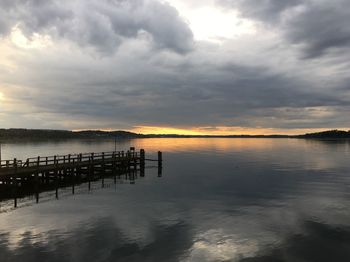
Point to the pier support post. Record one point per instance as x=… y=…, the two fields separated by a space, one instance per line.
x=160 y=159
x=56 y=176
x=36 y=180
x=160 y=163
x=142 y=162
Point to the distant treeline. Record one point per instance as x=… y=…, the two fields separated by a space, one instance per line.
x=328 y=134
x=40 y=134
x=43 y=134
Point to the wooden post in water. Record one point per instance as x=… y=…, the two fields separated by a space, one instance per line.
x=56 y=176
x=160 y=163
x=89 y=172
x=142 y=162
x=37 y=180
x=103 y=170
x=15 y=185
x=73 y=178
x=160 y=159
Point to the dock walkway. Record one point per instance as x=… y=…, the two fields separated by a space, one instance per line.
x=17 y=176
x=32 y=166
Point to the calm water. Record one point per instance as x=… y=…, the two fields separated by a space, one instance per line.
x=218 y=200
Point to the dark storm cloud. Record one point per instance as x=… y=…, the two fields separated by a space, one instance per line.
x=266 y=10
x=321 y=28
x=318 y=26
x=33 y=16
x=100 y=24
x=229 y=94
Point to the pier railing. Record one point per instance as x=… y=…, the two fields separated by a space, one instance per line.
x=18 y=177
x=68 y=159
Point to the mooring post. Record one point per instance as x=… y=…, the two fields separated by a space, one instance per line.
x=37 y=180
x=142 y=162
x=92 y=165
x=160 y=159
x=89 y=173
x=55 y=174
x=160 y=171
x=160 y=164
x=142 y=157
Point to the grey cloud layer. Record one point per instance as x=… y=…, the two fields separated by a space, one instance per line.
x=322 y=28
x=318 y=26
x=266 y=10
x=201 y=93
x=100 y=24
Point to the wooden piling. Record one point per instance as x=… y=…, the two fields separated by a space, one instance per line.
x=55 y=175
x=142 y=162
x=36 y=180
x=160 y=159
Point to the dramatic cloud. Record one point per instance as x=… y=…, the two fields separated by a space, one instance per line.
x=100 y=24
x=317 y=25
x=321 y=28
x=266 y=10
x=120 y=64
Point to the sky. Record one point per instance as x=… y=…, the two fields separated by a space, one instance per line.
x=176 y=66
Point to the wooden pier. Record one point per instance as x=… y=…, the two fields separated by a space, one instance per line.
x=19 y=177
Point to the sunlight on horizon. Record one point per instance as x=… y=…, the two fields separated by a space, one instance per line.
x=222 y=130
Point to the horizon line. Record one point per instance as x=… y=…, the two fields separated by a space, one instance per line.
x=175 y=134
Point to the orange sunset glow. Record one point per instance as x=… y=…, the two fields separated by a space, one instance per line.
x=221 y=130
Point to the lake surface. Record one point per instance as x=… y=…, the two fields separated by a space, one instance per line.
x=241 y=200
